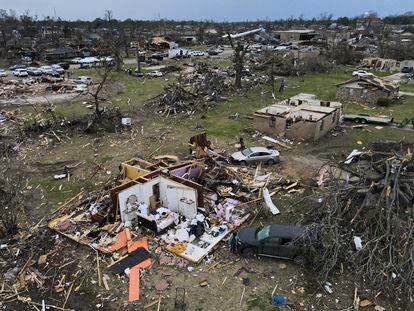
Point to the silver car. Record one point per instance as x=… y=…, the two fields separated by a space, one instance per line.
x=255 y=155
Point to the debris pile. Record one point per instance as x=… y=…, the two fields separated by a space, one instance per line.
x=194 y=91
x=367 y=219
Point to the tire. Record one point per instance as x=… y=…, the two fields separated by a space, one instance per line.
x=244 y=163
x=247 y=252
x=270 y=162
x=299 y=260
x=357 y=120
x=363 y=121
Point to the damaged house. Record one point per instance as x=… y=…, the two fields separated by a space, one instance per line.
x=302 y=117
x=366 y=90
x=296 y=35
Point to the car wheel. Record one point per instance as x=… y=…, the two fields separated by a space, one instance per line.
x=270 y=162
x=357 y=120
x=363 y=121
x=247 y=252
x=244 y=163
x=299 y=260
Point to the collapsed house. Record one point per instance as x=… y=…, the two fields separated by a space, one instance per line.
x=302 y=117
x=366 y=90
x=386 y=64
x=296 y=35
x=158 y=201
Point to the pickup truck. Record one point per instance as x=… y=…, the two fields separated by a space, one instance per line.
x=365 y=118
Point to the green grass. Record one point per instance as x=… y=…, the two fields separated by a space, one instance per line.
x=380 y=73
x=58 y=191
x=401 y=109
x=407 y=87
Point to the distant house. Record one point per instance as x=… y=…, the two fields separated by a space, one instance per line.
x=386 y=64
x=366 y=90
x=296 y=35
x=61 y=53
x=302 y=117
x=189 y=39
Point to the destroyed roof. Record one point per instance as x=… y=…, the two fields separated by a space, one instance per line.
x=303 y=105
x=159 y=41
x=296 y=31
x=61 y=50
x=378 y=82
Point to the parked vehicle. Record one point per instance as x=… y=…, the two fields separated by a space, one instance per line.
x=45 y=69
x=196 y=53
x=48 y=70
x=17 y=66
x=255 y=155
x=365 y=118
x=34 y=71
x=64 y=65
x=58 y=69
x=20 y=72
x=155 y=73
x=138 y=74
x=3 y=73
x=363 y=74
x=212 y=51
x=159 y=55
x=407 y=69
x=278 y=241
x=76 y=60
x=83 y=80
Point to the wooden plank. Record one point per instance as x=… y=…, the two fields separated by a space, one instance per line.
x=134 y=284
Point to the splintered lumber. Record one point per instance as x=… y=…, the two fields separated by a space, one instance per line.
x=98 y=270
x=275 y=141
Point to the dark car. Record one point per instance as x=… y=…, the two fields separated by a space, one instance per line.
x=53 y=73
x=407 y=69
x=159 y=55
x=64 y=65
x=279 y=241
x=138 y=74
x=212 y=51
x=17 y=66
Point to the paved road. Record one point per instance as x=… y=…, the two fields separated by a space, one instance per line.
x=405 y=93
x=396 y=77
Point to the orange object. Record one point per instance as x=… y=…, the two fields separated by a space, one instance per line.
x=134 y=283
x=121 y=243
x=134 y=271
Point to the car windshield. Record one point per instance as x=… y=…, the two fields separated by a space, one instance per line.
x=247 y=152
x=264 y=233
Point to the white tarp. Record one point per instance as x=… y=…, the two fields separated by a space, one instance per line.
x=269 y=202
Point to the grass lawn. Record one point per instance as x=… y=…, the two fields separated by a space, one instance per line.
x=407 y=87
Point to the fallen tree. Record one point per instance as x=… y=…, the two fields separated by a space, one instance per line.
x=366 y=221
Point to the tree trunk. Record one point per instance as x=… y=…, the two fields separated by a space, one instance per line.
x=138 y=60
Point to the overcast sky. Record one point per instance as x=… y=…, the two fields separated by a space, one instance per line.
x=219 y=10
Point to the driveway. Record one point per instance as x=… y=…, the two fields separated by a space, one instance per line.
x=405 y=93
x=396 y=77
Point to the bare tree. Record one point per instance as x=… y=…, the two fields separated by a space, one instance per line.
x=239 y=53
x=104 y=73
